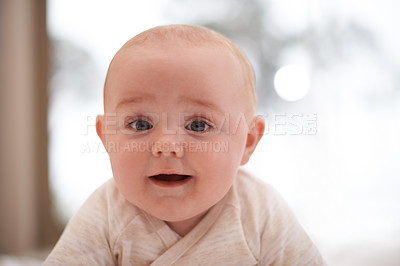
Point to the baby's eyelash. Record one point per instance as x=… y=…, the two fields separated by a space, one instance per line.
x=139 y=124
x=199 y=125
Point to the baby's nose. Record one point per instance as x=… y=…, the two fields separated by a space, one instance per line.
x=167 y=149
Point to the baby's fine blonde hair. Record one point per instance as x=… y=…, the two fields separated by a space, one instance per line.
x=192 y=35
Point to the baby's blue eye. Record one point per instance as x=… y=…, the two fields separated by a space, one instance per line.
x=197 y=126
x=141 y=125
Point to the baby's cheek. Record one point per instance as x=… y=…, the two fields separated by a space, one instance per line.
x=222 y=162
x=220 y=172
x=123 y=163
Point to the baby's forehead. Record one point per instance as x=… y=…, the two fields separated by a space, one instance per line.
x=164 y=38
x=181 y=58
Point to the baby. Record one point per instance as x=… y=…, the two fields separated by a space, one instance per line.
x=179 y=104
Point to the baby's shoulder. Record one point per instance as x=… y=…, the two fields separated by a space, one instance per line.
x=109 y=204
x=253 y=188
x=258 y=200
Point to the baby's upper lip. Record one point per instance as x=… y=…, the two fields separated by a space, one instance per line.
x=169 y=172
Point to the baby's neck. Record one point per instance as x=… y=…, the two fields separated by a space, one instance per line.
x=185 y=226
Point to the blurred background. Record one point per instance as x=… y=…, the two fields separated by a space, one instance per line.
x=328 y=85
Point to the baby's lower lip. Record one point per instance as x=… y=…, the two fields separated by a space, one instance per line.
x=170 y=180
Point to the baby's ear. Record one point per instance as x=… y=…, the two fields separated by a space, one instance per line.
x=254 y=135
x=99 y=128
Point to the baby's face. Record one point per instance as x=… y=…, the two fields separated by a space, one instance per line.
x=175 y=127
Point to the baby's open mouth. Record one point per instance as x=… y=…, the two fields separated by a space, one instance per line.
x=170 y=177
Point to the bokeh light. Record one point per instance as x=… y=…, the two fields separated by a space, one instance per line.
x=292 y=82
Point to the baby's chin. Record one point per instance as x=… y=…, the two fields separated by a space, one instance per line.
x=182 y=227
x=177 y=215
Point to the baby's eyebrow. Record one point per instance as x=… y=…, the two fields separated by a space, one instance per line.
x=201 y=102
x=196 y=101
x=135 y=99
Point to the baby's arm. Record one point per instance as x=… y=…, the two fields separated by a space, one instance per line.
x=85 y=240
